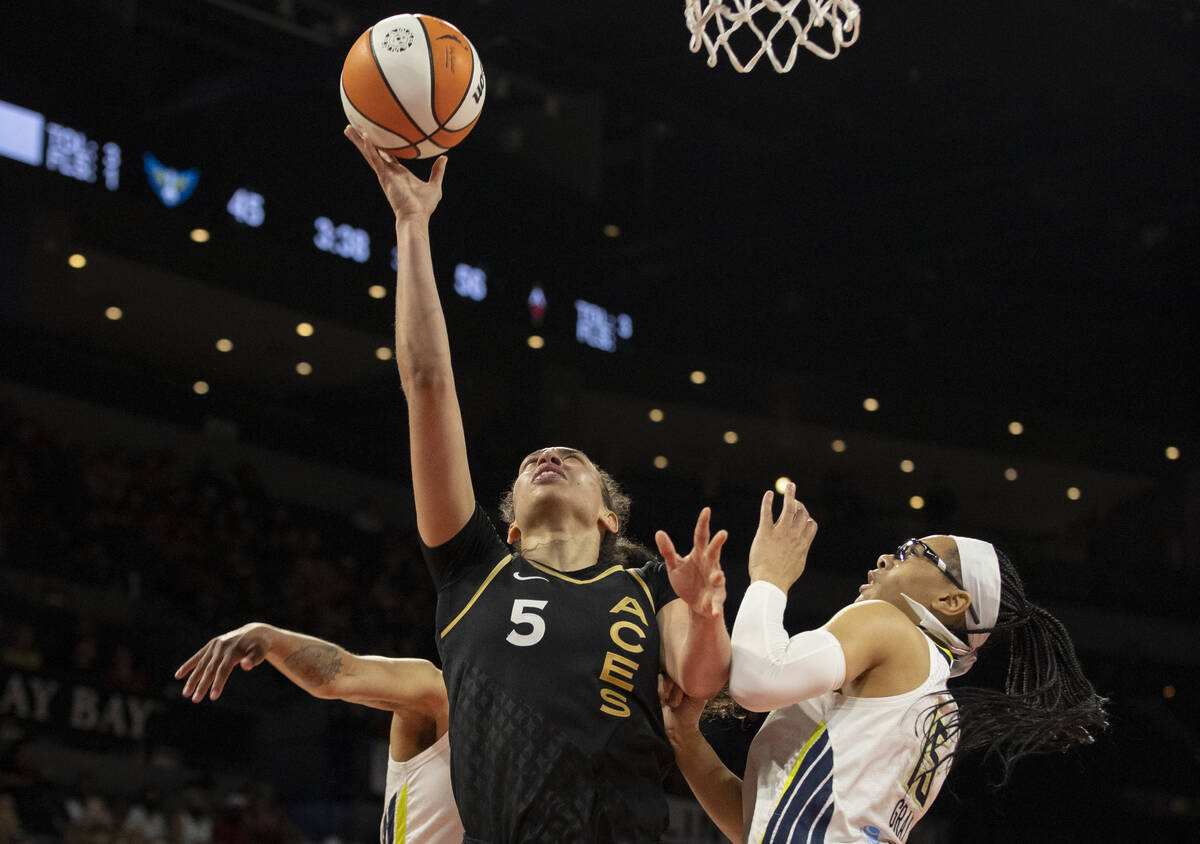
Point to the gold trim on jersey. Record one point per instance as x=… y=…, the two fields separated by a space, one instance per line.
x=646 y=589
x=566 y=575
x=491 y=576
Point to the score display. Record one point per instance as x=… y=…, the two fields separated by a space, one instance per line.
x=247 y=207
x=596 y=327
x=73 y=154
x=342 y=240
x=26 y=136
x=31 y=138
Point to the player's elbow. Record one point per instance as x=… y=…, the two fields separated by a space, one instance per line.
x=327 y=691
x=748 y=684
x=705 y=674
x=813 y=664
x=705 y=686
x=423 y=370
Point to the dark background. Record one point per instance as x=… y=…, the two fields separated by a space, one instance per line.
x=976 y=214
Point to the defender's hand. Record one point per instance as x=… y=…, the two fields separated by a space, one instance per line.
x=779 y=552
x=697 y=578
x=211 y=666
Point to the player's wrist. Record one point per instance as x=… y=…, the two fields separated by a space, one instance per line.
x=267 y=633
x=780 y=581
x=410 y=223
x=701 y=614
x=684 y=736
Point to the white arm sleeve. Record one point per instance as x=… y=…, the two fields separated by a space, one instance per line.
x=769 y=670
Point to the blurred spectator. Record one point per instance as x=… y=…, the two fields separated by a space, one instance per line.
x=88 y=816
x=22 y=650
x=192 y=822
x=22 y=777
x=251 y=816
x=86 y=653
x=232 y=827
x=146 y=820
x=265 y=818
x=123 y=674
x=10 y=822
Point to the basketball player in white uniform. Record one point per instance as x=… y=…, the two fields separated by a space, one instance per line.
x=862 y=727
x=418 y=804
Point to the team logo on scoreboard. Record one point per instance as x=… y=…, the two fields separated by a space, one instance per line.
x=171 y=186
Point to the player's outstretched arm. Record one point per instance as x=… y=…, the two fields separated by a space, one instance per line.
x=321 y=668
x=695 y=641
x=772 y=669
x=717 y=789
x=441 y=476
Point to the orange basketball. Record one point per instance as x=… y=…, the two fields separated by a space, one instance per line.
x=413 y=85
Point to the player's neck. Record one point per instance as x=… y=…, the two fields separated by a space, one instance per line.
x=561 y=550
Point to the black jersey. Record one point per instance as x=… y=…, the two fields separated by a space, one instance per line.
x=555 y=727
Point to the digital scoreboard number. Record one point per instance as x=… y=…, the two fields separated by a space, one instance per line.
x=342 y=240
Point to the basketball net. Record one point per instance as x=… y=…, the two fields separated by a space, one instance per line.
x=713 y=23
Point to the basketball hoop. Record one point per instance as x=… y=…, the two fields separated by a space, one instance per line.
x=713 y=23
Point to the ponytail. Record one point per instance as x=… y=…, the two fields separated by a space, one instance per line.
x=1047 y=704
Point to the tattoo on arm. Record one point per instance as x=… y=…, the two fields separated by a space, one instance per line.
x=316 y=664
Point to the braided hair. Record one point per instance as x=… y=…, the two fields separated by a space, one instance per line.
x=1047 y=704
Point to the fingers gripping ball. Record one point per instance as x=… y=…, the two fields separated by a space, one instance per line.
x=413 y=85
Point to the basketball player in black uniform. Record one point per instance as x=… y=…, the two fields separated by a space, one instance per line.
x=550 y=648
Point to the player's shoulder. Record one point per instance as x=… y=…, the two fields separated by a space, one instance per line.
x=652 y=574
x=653 y=577
x=877 y=620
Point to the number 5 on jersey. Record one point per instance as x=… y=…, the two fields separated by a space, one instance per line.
x=523 y=613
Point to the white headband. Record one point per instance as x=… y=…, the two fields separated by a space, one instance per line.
x=981 y=580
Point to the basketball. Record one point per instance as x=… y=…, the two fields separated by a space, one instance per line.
x=413 y=85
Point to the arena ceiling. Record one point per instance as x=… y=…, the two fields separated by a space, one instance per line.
x=975 y=214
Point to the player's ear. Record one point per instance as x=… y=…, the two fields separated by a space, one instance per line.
x=514 y=534
x=609 y=522
x=952 y=604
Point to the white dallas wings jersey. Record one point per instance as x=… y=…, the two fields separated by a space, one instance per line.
x=418 y=804
x=839 y=769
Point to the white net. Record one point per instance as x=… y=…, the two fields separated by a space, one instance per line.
x=714 y=24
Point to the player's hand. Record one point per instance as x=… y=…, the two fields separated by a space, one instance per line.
x=681 y=714
x=697 y=578
x=779 y=552
x=409 y=196
x=211 y=666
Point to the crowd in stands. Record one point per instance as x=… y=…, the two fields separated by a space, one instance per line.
x=119 y=564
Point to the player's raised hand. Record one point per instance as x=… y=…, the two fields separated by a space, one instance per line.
x=779 y=552
x=697 y=577
x=409 y=196
x=209 y=668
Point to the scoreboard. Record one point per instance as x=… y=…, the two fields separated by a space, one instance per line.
x=110 y=165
